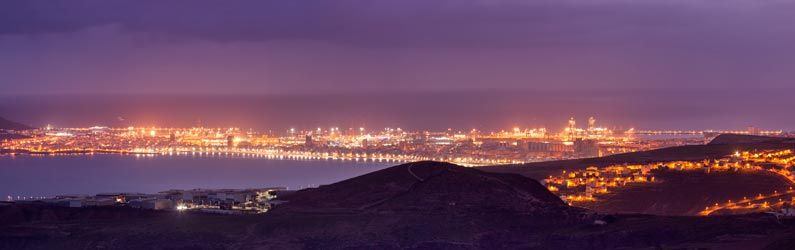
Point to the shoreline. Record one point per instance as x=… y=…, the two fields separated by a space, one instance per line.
x=272 y=154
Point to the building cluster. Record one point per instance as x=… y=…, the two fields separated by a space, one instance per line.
x=780 y=162
x=223 y=201
x=473 y=147
x=586 y=184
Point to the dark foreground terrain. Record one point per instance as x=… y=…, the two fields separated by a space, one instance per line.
x=425 y=205
x=123 y=228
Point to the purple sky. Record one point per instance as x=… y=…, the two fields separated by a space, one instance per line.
x=651 y=64
x=266 y=47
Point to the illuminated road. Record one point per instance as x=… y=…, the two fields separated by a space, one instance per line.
x=412 y=172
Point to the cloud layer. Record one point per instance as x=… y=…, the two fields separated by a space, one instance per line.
x=244 y=46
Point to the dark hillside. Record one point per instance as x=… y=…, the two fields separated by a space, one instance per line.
x=428 y=187
x=742 y=139
x=10 y=125
x=721 y=146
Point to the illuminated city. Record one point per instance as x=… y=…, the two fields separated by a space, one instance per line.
x=470 y=148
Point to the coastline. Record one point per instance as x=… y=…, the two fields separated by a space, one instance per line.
x=273 y=154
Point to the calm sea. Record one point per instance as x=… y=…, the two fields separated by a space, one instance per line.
x=90 y=174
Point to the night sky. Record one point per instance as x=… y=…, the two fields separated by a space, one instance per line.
x=727 y=53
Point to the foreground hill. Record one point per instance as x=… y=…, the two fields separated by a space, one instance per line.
x=39 y=227
x=430 y=188
x=10 y=125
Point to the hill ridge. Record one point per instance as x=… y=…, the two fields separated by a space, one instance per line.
x=428 y=187
x=743 y=139
x=11 y=125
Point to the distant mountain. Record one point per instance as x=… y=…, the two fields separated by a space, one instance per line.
x=743 y=139
x=10 y=125
x=721 y=146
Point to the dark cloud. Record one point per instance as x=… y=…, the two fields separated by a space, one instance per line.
x=263 y=46
x=407 y=23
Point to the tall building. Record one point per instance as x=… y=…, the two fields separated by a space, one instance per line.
x=572 y=129
x=591 y=127
x=572 y=123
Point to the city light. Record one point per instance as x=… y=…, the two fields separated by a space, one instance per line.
x=469 y=148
